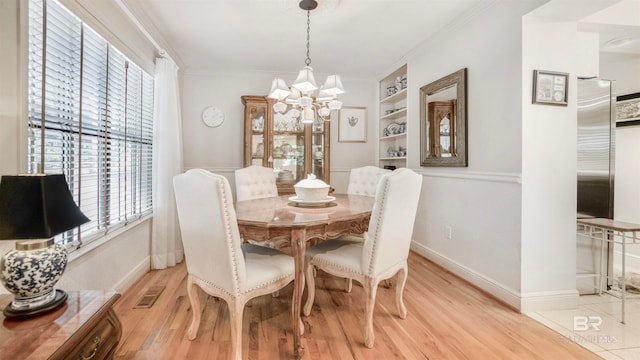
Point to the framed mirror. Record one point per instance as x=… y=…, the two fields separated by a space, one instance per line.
x=443 y=121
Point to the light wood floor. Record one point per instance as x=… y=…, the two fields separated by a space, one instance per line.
x=447 y=319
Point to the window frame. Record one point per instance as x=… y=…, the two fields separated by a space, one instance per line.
x=135 y=182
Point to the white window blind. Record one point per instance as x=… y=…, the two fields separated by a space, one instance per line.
x=90 y=118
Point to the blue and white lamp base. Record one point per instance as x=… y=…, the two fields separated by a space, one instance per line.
x=30 y=272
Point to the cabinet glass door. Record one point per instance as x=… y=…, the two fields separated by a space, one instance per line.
x=288 y=148
x=257 y=114
x=318 y=150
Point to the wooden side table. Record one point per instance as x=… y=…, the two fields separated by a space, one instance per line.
x=614 y=232
x=86 y=327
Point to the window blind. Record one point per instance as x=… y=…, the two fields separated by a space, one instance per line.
x=90 y=118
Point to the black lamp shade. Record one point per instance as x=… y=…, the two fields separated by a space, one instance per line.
x=36 y=207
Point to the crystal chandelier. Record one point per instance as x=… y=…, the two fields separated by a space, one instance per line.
x=301 y=93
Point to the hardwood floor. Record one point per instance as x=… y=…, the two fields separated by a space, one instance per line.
x=447 y=319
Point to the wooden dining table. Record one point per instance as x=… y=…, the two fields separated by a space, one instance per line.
x=280 y=218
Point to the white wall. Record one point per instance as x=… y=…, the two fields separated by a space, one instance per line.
x=549 y=167
x=221 y=149
x=481 y=203
x=10 y=75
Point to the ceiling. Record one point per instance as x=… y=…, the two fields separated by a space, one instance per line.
x=618 y=26
x=361 y=38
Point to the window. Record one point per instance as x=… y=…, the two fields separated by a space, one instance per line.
x=90 y=118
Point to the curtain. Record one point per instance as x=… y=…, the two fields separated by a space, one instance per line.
x=166 y=245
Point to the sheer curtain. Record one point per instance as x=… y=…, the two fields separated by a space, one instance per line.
x=166 y=245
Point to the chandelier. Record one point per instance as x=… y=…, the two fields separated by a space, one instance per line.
x=301 y=93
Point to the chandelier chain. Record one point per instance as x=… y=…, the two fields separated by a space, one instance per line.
x=307 y=61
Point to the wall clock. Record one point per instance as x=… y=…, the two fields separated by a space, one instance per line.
x=212 y=116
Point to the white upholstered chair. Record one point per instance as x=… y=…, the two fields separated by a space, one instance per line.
x=364 y=180
x=216 y=259
x=258 y=182
x=255 y=182
x=384 y=251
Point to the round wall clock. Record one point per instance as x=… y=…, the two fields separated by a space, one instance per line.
x=212 y=116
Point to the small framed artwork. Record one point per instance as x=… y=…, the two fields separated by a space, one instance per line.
x=628 y=109
x=550 y=87
x=352 y=124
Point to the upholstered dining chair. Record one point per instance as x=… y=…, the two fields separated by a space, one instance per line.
x=364 y=180
x=382 y=254
x=217 y=261
x=258 y=182
x=255 y=182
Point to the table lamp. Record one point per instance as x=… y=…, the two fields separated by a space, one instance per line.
x=33 y=209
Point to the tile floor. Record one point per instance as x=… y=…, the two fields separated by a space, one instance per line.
x=611 y=339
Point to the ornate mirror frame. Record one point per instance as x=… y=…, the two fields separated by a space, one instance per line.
x=449 y=92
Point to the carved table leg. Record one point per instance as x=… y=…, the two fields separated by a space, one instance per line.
x=299 y=249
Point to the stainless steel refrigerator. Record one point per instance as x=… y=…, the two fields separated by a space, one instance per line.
x=596 y=165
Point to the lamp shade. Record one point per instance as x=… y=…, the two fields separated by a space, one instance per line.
x=36 y=207
x=333 y=85
x=279 y=89
x=305 y=82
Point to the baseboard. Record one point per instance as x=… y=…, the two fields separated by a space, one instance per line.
x=134 y=275
x=509 y=297
x=549 y=300
x=530 y=302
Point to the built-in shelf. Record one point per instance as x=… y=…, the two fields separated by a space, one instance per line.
x=395 y=136
x=394 y=115
x=392 y=109
x=400 y=95
x=394 y=158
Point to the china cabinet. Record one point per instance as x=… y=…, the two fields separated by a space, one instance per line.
x=393 y=119
x=284 y=143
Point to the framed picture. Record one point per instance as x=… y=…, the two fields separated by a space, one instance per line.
x=628 y=109
x=352 y=124
x=550 y=87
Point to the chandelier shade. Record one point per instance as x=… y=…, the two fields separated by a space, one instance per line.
x=279 y=89
x=300 y=96
x=305 y=82
x=333 y=85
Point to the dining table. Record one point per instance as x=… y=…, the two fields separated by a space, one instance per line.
x=287 y=219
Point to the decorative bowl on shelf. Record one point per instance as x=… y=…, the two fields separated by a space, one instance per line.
x=394 y=129
x=311 y=189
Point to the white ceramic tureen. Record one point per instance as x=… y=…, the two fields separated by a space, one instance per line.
x=311 y=189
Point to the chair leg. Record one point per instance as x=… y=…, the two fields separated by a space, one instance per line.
x=370 y=289
x=192 y=292
x=402 y=280
x=236 y=307
x=311 y=287
x=348 y=284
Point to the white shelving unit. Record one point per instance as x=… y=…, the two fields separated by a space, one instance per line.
x=392 y=120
